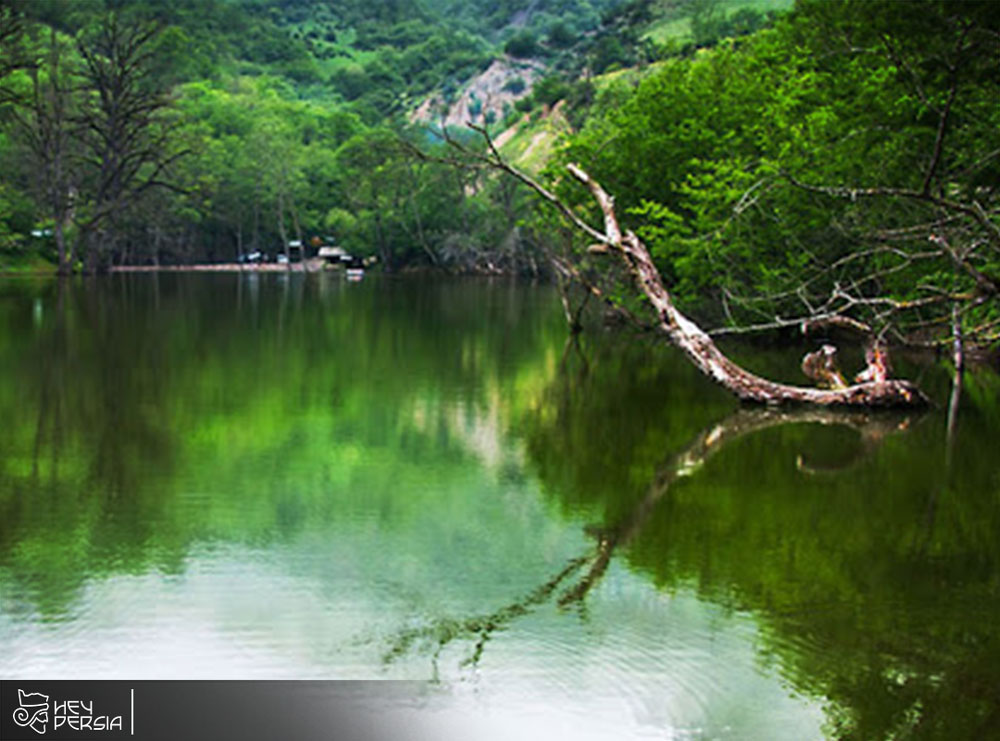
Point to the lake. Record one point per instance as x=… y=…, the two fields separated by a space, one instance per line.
x=295 y=477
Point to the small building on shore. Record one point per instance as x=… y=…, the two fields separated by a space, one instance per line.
x=333 y=257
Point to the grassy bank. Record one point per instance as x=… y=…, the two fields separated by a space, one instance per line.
x=24 y=263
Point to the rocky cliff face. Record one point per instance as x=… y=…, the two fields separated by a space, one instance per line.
x=486 y=97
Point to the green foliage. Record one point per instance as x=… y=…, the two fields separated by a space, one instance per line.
x=535 y=16
x=561 y=35
x=609 y=52
x=16 y=217
x=850 y=95
x=522 y=44
x=550 y=90
x=265 y=95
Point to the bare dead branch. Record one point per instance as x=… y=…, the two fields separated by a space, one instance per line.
x=696 y=344
x=974 y=210
x=703 y=352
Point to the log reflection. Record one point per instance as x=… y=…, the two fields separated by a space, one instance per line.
x=570 y=587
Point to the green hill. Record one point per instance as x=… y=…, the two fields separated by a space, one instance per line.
x=276 y=118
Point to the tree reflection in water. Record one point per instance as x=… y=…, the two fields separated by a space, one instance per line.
x=870 y=565
x=147 y=421
x=872 y=428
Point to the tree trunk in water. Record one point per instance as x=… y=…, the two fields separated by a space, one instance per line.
x=702 y=351
x=384 y=255
x=65 y=259
x=281 y=227
x=89 y=251
x=255 y=242
x=958 y=356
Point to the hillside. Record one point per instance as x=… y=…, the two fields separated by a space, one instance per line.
x=392 y=58
x=570 y=60
x=281 y=119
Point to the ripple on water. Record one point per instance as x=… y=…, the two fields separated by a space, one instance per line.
x=637 y=664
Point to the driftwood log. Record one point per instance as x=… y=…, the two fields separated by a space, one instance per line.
x=701 y=350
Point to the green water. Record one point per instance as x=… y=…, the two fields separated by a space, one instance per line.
x=275 y=477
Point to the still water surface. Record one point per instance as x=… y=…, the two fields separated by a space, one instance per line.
x=271 y=476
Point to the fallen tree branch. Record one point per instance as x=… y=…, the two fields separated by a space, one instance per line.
x=691 y=339
x=702 y=351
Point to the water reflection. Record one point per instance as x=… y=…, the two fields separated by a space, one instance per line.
x=279 y=477
x=867 y=560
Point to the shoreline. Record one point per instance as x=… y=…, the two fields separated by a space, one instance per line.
x=220 y=267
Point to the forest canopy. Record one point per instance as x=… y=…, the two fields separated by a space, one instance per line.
x=828 y=159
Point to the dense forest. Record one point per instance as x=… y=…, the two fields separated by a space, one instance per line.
x=824 y=160
x=247 y=121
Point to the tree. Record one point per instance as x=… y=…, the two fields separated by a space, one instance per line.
x=522 y=45
x=928 y=221
x=876 y=390
x=873 y=388
x=14 y=52
x=45 y=122
x=129 y=145
x=839 y=169
x=561 y=35
x=708 y=22
x=279 y=169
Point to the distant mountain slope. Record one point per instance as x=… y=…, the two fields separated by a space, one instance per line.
x=390 y=59
x=491 y=17
x=485 y=99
